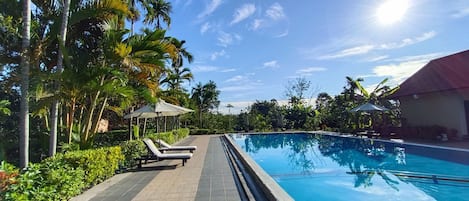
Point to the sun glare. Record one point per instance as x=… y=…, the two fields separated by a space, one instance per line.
x=392 y=11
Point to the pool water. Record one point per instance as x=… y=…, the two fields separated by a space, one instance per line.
x=326 y=167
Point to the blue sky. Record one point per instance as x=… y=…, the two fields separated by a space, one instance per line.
x=252 y=49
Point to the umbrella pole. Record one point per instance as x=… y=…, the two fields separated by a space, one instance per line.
x=157 y=125
x=144 y=127
x=165 y=124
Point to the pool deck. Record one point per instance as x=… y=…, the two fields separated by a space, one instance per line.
x=206 y=176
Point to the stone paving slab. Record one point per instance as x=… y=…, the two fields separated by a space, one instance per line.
x=206 y=176
x=216 y=182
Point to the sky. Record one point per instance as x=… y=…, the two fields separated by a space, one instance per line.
x=252 y=49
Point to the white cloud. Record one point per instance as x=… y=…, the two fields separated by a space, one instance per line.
x=461 y=13
x=210 y=8
x=237 y=78
x=275 y=12
x=199 y=69
x=215 y=55
x=364 y=49
x=205 y=27
x=378 y=58
x=271 y=64
x=409 y=41
x=226 y=39
x=256 y=24
x=404 y=68
x=243 y=12
x=310 y=70
x=228 y=70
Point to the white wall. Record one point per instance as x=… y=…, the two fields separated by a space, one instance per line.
x=444 y=109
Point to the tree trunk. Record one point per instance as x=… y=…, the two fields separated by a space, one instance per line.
x=24 y=111
x=71 y=114
x=55 y=106
x=100 y=115
x=89 y=120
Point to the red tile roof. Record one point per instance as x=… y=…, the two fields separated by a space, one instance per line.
x=443 y=74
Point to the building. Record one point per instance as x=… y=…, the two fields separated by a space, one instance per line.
x=438 y=94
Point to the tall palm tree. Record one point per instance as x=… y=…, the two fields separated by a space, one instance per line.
x=205 y=97
x=158 y=11
x=24 y=111
x=55 y=105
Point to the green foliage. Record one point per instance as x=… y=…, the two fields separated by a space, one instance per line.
x=4 y=107
x=132 y=149
x=49 y=180
x=204 y=131
x=64 y=175
x=170 y=136
x=98 y=164
x=111 y=138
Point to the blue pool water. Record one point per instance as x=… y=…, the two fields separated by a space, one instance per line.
x=325 y=167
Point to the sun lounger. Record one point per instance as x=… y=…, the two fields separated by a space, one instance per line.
x=166 y=147
x=164 y=156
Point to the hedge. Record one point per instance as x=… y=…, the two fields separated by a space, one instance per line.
x=64 y=175
x=171 y=136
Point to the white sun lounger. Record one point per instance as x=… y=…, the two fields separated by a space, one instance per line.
x=166 y=147
x=164 y=156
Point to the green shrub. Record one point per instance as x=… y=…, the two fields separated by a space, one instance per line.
x=204 y=131
x=51 y=179
x=131 y=150
x=64 y=175
x=111 y=138
x=181 y=133
x=166 y=136
x=98 y=164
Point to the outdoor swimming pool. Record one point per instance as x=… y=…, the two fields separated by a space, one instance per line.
x=326 y=167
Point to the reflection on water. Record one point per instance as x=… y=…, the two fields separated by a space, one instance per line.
x=370 y=163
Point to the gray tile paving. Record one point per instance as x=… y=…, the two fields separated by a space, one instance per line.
x=216 y=182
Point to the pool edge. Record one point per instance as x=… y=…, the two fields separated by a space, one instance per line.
x=269 y=186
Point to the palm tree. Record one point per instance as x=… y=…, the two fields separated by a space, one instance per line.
x=205 y=97
x=158 y=11
x=229 y=106
x=24 y=111
x=55 y=105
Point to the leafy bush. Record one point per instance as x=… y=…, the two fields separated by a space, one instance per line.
x=131 y=150
x=206 y=131
x=8 y=174
x=166 y=136
x=48 y=180
x=111 y=138
x=98 y=164
x=171 y=136
x=64 y=175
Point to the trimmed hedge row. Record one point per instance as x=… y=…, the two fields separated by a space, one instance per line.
x=170 y=136
x=204 y=131
x=64 y=175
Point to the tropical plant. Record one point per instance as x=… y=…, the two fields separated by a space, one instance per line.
x=205 y=97
x=24 y=113
x=158 y=10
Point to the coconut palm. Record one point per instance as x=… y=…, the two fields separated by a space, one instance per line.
x=158 y=11
x=205 y=97
x=55 y=105
x=24 y=111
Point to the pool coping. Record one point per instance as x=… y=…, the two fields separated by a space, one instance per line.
x=268 y=185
